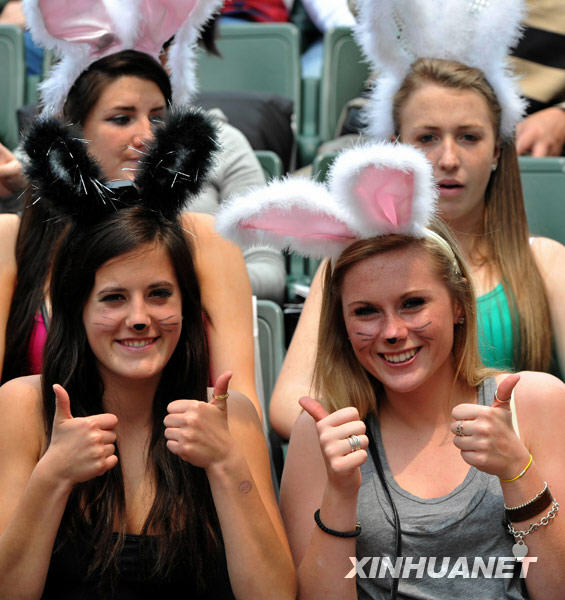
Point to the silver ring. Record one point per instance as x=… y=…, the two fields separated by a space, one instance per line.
x=354 y=442
x=459 y=429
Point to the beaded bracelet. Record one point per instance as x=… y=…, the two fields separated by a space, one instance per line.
x=521 y=473
x=341 y=534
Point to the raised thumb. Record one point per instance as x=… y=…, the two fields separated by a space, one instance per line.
x=62 y=403
x=220 y=393
x=313 y=408
x=504 y=391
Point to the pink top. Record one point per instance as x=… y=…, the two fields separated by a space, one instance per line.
x=36 y=343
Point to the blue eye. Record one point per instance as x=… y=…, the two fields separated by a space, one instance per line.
x=413 y=303
x=363 y=311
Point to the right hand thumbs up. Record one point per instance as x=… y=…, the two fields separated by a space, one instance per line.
x=342 y=441
x=81 y=448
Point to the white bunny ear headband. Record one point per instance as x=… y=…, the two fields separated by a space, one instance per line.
x=374 y=190
x=477 y=33
x=83 y=31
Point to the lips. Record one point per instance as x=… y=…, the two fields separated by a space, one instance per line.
x=450 y=186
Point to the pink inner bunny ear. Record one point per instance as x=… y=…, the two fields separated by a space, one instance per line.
x=385 y=196
x=86 y=22
x=300 y=223
x=160 y=20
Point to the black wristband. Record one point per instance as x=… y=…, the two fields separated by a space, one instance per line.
x=341 y=534
x=530 y=509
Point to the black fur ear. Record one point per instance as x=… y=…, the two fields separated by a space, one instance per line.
x=63 y=175
x=178 y=161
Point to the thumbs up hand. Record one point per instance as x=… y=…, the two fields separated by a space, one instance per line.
x=485 y=434
x=343 y=444
x=82 y=448
x=198 y=431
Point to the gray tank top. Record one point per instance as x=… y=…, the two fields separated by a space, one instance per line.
x=458 y=545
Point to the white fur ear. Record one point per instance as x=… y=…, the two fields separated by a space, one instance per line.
x=477 y=33
x=181 y=59
x=388 y=188
x=295 y=213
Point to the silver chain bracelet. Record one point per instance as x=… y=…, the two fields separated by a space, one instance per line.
x=520 y=550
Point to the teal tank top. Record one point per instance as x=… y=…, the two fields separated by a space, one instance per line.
x=496 y=338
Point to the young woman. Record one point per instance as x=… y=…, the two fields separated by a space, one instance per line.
x=397 y=361
x=117 y=478
x=450 y=111
x=398 y=373
x=116 y=101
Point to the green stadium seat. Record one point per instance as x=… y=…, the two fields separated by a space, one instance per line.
x=270 y=163
x=270 y=333
x=12 y=76
x=256 y=57
x=344 y=75
x=543 y=181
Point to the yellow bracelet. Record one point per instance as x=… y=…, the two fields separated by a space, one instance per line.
x=520 y=473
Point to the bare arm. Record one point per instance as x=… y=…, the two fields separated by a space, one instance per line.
x=295 y=378
x=540 y=407
x=225 y=438
x=550 y=258
x=226 y=297
x=34 y=488
x=9 y=225
x=321 y=472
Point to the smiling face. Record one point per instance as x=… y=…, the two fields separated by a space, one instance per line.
x=399 y=317
x=118 y=128
x=133 y=316
x=454 y=128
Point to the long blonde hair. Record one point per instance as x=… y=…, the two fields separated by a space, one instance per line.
x=505 y=226
x=339 y=379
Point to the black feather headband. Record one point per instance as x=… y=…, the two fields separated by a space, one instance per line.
x=64 y=175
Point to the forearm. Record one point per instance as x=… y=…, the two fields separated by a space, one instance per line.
x=326 y=562
x=545 y=579
x=264 y=568
x=27 y=541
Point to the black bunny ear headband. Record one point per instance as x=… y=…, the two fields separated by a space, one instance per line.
x=64 y=176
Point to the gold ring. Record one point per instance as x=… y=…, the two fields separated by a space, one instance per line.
x=221 y=396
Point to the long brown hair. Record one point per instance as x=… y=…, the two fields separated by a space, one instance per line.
x=505 y=226
x=339 y=379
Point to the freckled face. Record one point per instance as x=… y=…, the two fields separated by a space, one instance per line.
x=118 y=128
x=399 y=317
x=133 y=316
x=455 y=130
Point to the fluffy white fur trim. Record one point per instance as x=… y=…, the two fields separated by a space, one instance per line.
x=181 y=60
x=292 y=196
x=478 y=33
x=398 y=157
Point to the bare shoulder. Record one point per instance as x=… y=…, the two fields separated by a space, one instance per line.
x=9 y=227
x=199 y=224
x=540 y=404
x=545 y=251
x=21 y=413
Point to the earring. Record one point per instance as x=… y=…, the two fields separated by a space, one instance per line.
x=493 y=167
x=460 y=320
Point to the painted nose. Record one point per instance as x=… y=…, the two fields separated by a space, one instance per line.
x=138 y=317
x=395 y=329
